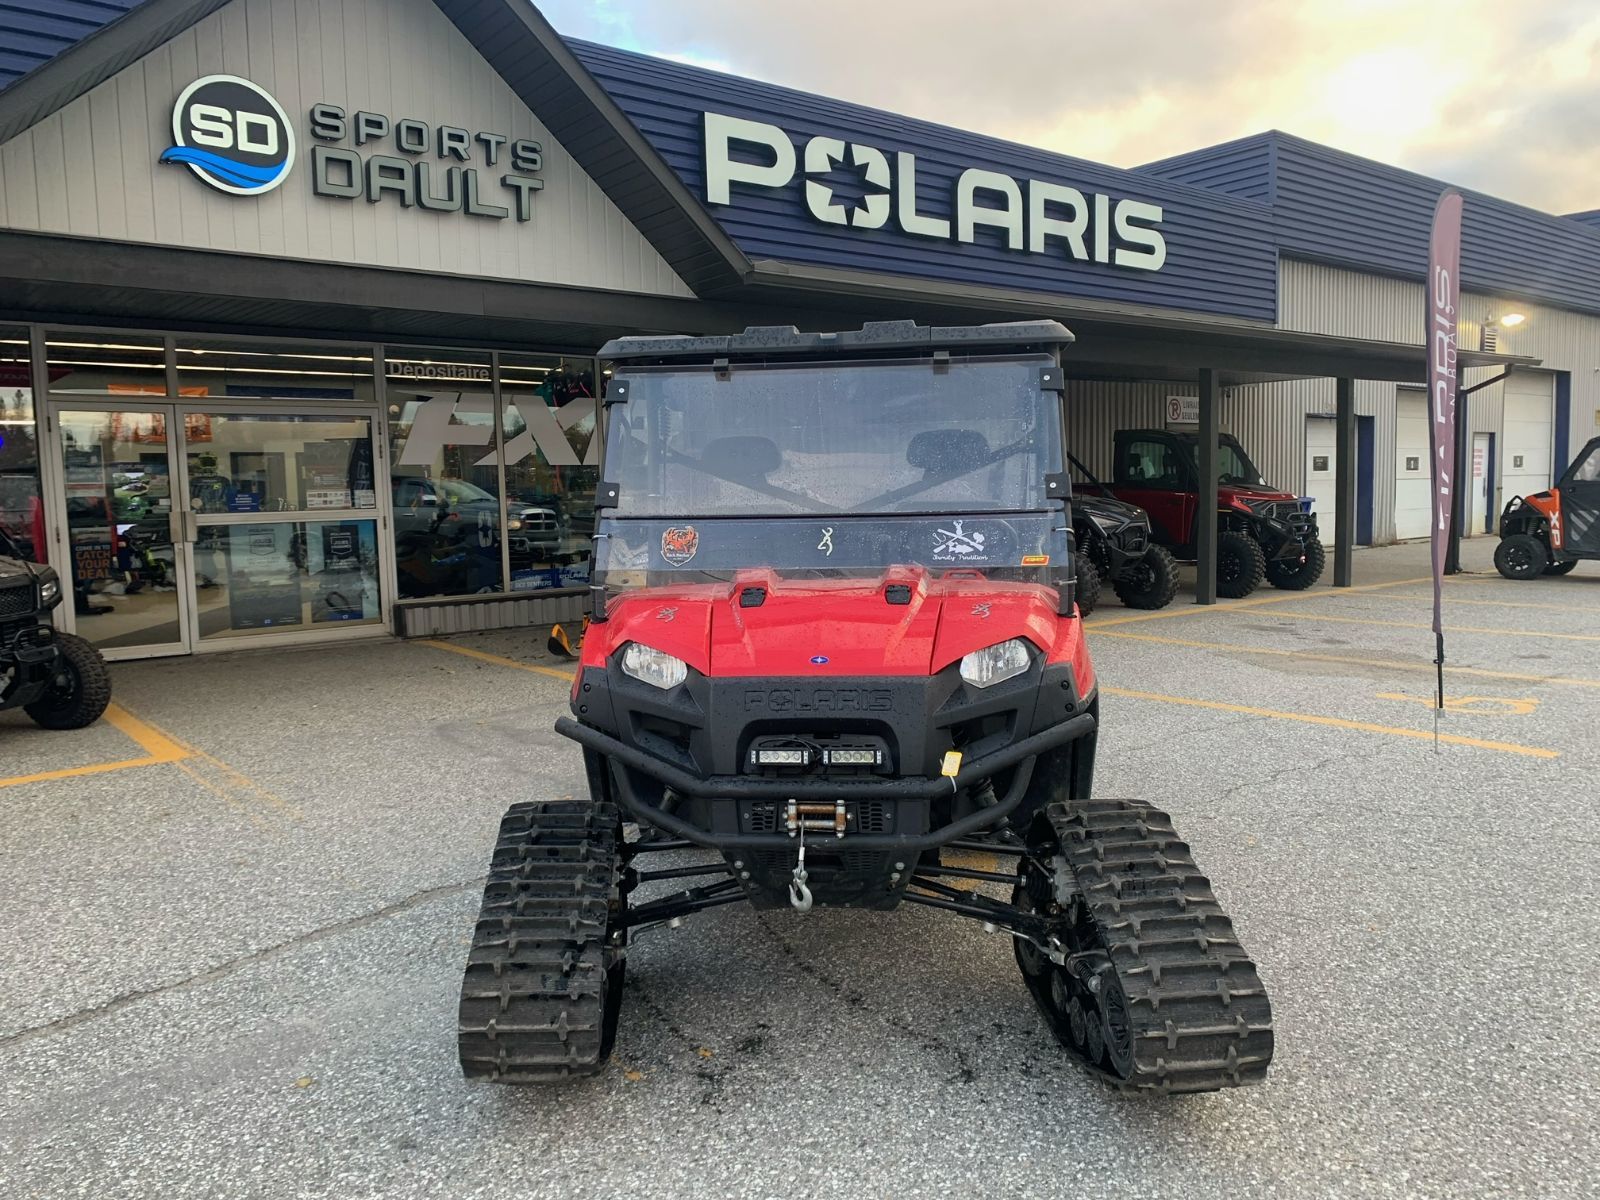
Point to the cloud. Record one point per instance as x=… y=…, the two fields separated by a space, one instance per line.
x=1488 y=95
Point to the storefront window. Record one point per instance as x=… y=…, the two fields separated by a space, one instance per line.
x=274 y=370
x=271 y=463
x=285 y=575
x=21 y=513
x=552 y=468
x=445 y=473
x=106 y=364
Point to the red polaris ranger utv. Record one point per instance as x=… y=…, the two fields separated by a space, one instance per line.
x=1261 y=531
x=833 y=637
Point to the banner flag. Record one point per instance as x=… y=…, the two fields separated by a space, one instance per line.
x=1444 y=305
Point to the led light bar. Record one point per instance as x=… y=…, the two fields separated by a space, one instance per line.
x=853 y=758
x=780 y=758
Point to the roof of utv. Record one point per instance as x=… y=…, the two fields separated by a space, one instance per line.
x=873 y=338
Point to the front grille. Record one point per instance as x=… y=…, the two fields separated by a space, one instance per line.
x=874 y=816
x=16 y=601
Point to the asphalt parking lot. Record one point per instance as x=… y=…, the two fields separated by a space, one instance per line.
x=233 y=920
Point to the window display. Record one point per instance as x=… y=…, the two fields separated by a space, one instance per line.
x=106 y=364
x=21 y=511
x=264 y=577
x=274 y=370
x=271 y=463
x=445 y=474
x=552 y=454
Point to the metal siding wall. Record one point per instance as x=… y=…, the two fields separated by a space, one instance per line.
x=1220 y=254
x=1096 y=410
x=90 y=170
x=1322 y=299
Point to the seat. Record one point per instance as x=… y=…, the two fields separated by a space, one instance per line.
x=939 y=452
x=743 y=460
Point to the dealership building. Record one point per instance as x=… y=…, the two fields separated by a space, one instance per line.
x=300 y=301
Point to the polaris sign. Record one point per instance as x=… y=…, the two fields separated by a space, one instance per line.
x=1034 y=216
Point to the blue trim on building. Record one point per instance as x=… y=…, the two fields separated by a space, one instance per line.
x=1562 y=448
x=32 y=32
x=1220 y=253
x=1366 y=476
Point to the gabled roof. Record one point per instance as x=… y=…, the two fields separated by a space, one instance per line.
x=510 y=34
x=66 y=47
x=32 y=32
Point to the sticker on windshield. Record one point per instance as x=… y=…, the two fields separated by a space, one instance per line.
x=679 y=543
x=957 y=545
x=826 y=544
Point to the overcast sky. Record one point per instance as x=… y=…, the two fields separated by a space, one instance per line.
x=1503 y=97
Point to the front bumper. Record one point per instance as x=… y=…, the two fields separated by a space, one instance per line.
x=680 y=760
x=27 y=659
x=1286 y=536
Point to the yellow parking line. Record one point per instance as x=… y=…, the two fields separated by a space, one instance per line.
x=1392 y=664
x=1524 y=633
x=1563 y=608
x=1198 y=610
x=1335 y=723
x=158 y=748
x=497 y=659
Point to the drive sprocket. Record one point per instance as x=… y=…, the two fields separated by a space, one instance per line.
x=543 y=983
x=1152 y=990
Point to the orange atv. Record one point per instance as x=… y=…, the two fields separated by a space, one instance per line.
x=1551 y=532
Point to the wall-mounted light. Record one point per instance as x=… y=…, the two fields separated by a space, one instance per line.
x=1510 y=321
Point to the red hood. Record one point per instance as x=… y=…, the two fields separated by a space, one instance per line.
x=1228 y=493
x=832 y=626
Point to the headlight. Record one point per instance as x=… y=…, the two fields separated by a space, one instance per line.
x=49 y=590
x=652 y=666
x=514 y=523
x=993 y=664
x=1106 y=524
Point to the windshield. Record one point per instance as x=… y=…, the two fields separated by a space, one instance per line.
x=459 y=491
x=1233 y=464
x=834 y=438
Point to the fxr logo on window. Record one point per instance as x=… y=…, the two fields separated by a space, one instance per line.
x=432 y=430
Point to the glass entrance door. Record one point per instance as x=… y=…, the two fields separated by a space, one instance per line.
x=119 y=522
x=285 y=522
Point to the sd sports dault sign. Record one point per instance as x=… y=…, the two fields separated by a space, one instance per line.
x=232 y=134
x=235 y=137
x=1034 y=216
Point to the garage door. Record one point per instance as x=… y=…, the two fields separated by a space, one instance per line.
x=1413 y=490
x=1321 y=472
x=1529 y=432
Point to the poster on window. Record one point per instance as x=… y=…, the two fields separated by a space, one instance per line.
x=341 y=579
x=263 y=577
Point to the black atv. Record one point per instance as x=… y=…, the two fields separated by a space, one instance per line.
x=56 y=678
x=1113 y=542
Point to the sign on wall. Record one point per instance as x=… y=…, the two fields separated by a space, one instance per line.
x=1034 y=216
x=235 y=137
x=1183 y=410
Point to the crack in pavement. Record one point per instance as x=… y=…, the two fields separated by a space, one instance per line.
x=268 y=954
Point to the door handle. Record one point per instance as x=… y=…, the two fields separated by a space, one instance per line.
x=182 y=526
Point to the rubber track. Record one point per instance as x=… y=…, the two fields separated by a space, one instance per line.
x=1199 y=1015
x=534 y=995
